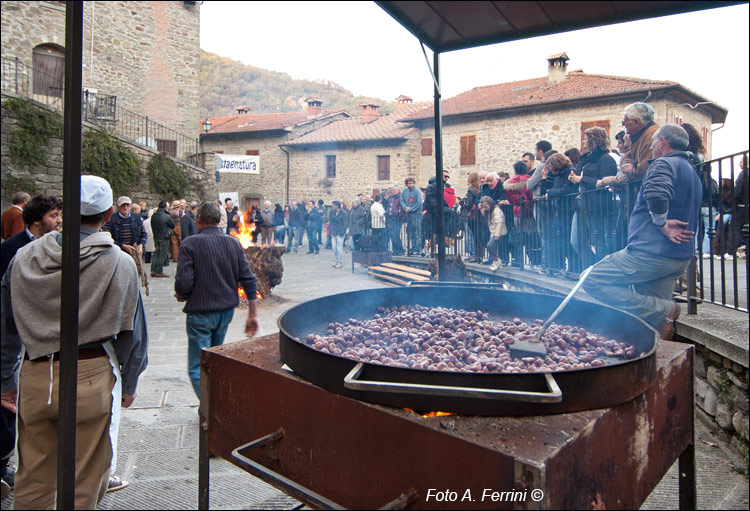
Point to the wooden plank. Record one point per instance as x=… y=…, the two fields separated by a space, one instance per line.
x=406 y=268
x=391 y=271
x=388 y=280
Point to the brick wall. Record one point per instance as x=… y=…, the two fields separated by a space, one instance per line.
x=145 y=53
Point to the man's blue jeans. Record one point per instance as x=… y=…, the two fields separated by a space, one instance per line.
x=204 y=330
x=414 y=232
x=292 y=234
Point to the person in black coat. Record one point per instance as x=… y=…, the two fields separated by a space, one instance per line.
x=596 y=218
x=313 y=220
x=187 y=221
x=431 y=206
x=561 y=194
x=42 y=214
x=161 y=226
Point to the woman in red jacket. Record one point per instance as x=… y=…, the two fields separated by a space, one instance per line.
x=523 y=211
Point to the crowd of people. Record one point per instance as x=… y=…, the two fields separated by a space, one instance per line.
x=635 y=214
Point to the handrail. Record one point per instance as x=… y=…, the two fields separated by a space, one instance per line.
x=99 y=109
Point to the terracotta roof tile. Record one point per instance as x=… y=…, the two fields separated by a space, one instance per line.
x=536 y=91
x=344 y=130
x=261 y=122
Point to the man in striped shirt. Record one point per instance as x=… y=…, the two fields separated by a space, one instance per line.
x=127 y=229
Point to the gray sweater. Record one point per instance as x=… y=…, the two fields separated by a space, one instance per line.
x=533 y=183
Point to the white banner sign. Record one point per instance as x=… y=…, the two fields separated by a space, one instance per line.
x=244 y=164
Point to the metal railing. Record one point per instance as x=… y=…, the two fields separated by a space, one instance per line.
x=99 y=109
x=562 y=236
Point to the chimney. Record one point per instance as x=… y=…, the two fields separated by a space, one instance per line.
x=314 y=106
x=242 y=109
x=369 y=112
x=558 y=66
x=401 y=101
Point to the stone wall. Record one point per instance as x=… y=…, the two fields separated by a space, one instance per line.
x=721 y=392
x=356 y=165
x=270 y=182
x=501 y=139
x=145 y=53
x=49 y=177
x=356 y=168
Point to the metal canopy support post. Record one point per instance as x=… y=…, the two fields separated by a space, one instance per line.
x=440 y=214
x=67 y=380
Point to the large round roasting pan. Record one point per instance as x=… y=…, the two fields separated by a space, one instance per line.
x=469 y=393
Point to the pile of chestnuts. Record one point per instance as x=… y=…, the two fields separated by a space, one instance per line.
x=446 y=339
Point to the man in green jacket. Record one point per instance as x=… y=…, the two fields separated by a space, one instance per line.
x=161 y=226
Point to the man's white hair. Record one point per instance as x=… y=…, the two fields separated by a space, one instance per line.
x=493 y=175
x=642 y=111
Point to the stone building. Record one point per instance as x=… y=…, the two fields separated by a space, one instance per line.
x=486 y=128
x=264 y=135
x=489 y=128
x=144 y=54
x=357 y=155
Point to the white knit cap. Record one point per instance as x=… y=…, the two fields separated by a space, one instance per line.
x=96 y=195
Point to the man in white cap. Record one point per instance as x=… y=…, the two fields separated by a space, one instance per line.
x=127 y=228
x=112 y=347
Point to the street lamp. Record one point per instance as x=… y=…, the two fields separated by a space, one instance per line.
x=206 y=125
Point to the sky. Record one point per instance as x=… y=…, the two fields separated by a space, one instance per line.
x=360 y=47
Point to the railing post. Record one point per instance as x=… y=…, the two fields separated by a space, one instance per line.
x=16 y=77
x=691 y=288
x=146 y=130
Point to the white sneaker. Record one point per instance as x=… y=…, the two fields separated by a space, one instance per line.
x=337 y=265
x=706 y=256
x=495 y=265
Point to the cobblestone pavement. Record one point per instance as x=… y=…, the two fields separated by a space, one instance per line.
x=158 y=442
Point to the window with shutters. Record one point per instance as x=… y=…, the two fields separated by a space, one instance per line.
x=330 y=166
x=704 y=134
x=384 y=168
x=49 y=70
x=167 y=146
x=252 y=152
x=591 y=124
x=468 y=150
x=426 y=147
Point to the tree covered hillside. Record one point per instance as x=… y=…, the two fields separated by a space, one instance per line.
x=227 y=83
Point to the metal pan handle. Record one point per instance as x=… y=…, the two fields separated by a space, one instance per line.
x=554 y=394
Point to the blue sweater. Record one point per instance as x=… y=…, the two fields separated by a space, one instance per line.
x=210 y=265
x=670 y=178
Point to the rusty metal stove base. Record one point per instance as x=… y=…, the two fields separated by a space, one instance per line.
x=360 y=455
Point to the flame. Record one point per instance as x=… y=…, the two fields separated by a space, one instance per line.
x=245 y=232
x=430 y=414
x=243 y=295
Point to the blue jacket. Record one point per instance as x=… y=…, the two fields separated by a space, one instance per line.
x=671 y=178
x=136 y=225
x=9 y=248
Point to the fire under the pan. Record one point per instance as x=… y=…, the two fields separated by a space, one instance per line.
x=458 y=340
